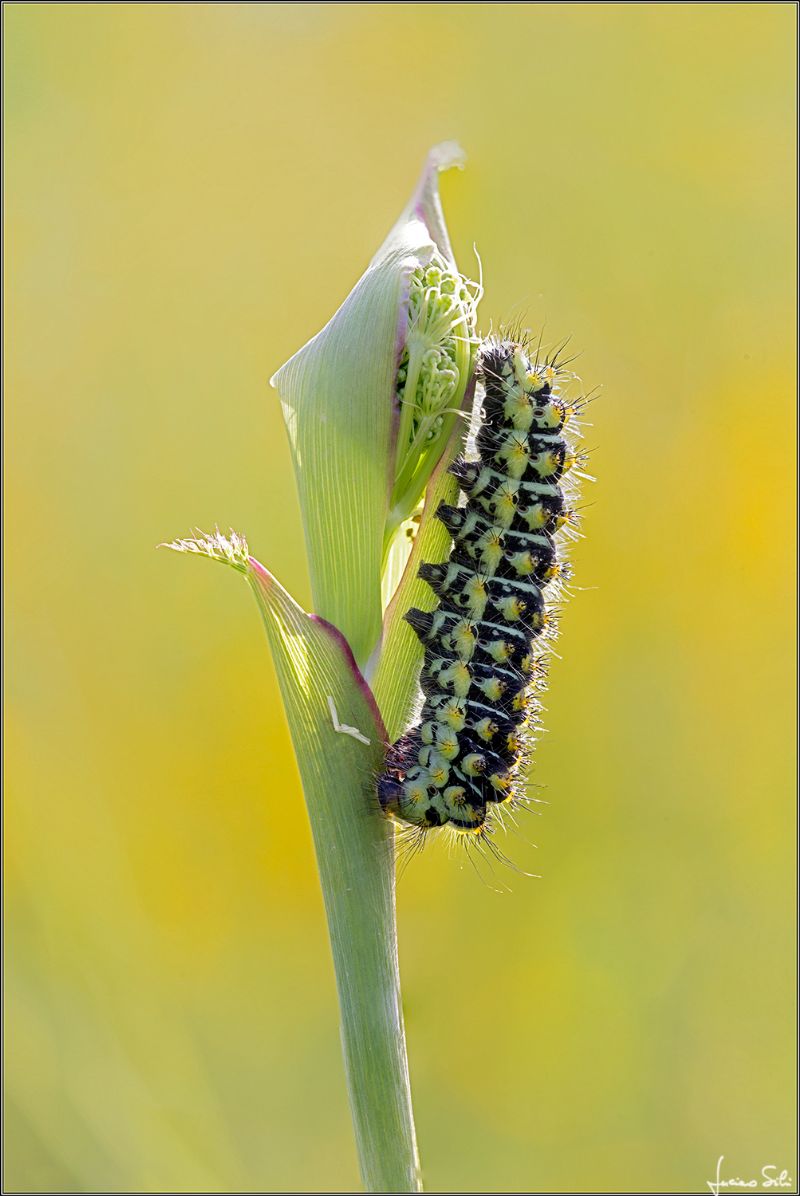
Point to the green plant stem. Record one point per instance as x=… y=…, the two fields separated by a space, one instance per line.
x=354 y=846
x=359 y=893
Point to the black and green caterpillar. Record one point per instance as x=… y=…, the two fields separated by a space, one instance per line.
x=481 y=668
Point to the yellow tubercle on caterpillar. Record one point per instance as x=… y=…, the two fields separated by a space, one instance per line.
x=499 y=651
x=505 y=508
x=453 y=715
x=447 y=742
x=548 y=463
x=439 y=773
x=473 y=764
x=475 y=596
x=464 y=640
x=500 y=782
x=536 y=517
x=493 y=688
x=519 y=411
x=513 y=742
x=538 y=621
x=512 y=608
x=486 y=729
x=459 y=676
x=523 y=563
x=516 y=454
x=492 y=553
x=525 y=374
x=456 y=795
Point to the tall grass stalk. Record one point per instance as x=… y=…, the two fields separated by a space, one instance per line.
x=371 y=404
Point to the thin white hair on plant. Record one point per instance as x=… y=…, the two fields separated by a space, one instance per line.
x=230 y=549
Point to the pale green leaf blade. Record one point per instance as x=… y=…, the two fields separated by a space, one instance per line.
x=338 y=395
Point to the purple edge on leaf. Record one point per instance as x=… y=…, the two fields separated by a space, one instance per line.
x=268 y=581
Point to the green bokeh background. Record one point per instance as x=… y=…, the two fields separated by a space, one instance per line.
x=191 y=191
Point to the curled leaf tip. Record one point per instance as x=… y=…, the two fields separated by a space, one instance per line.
x=230 y=549
x=425 y=203
x=447 y=154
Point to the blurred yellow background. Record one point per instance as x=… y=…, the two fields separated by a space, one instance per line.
x=191 y=191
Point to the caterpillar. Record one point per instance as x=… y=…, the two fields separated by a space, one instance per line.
x=485 y=643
